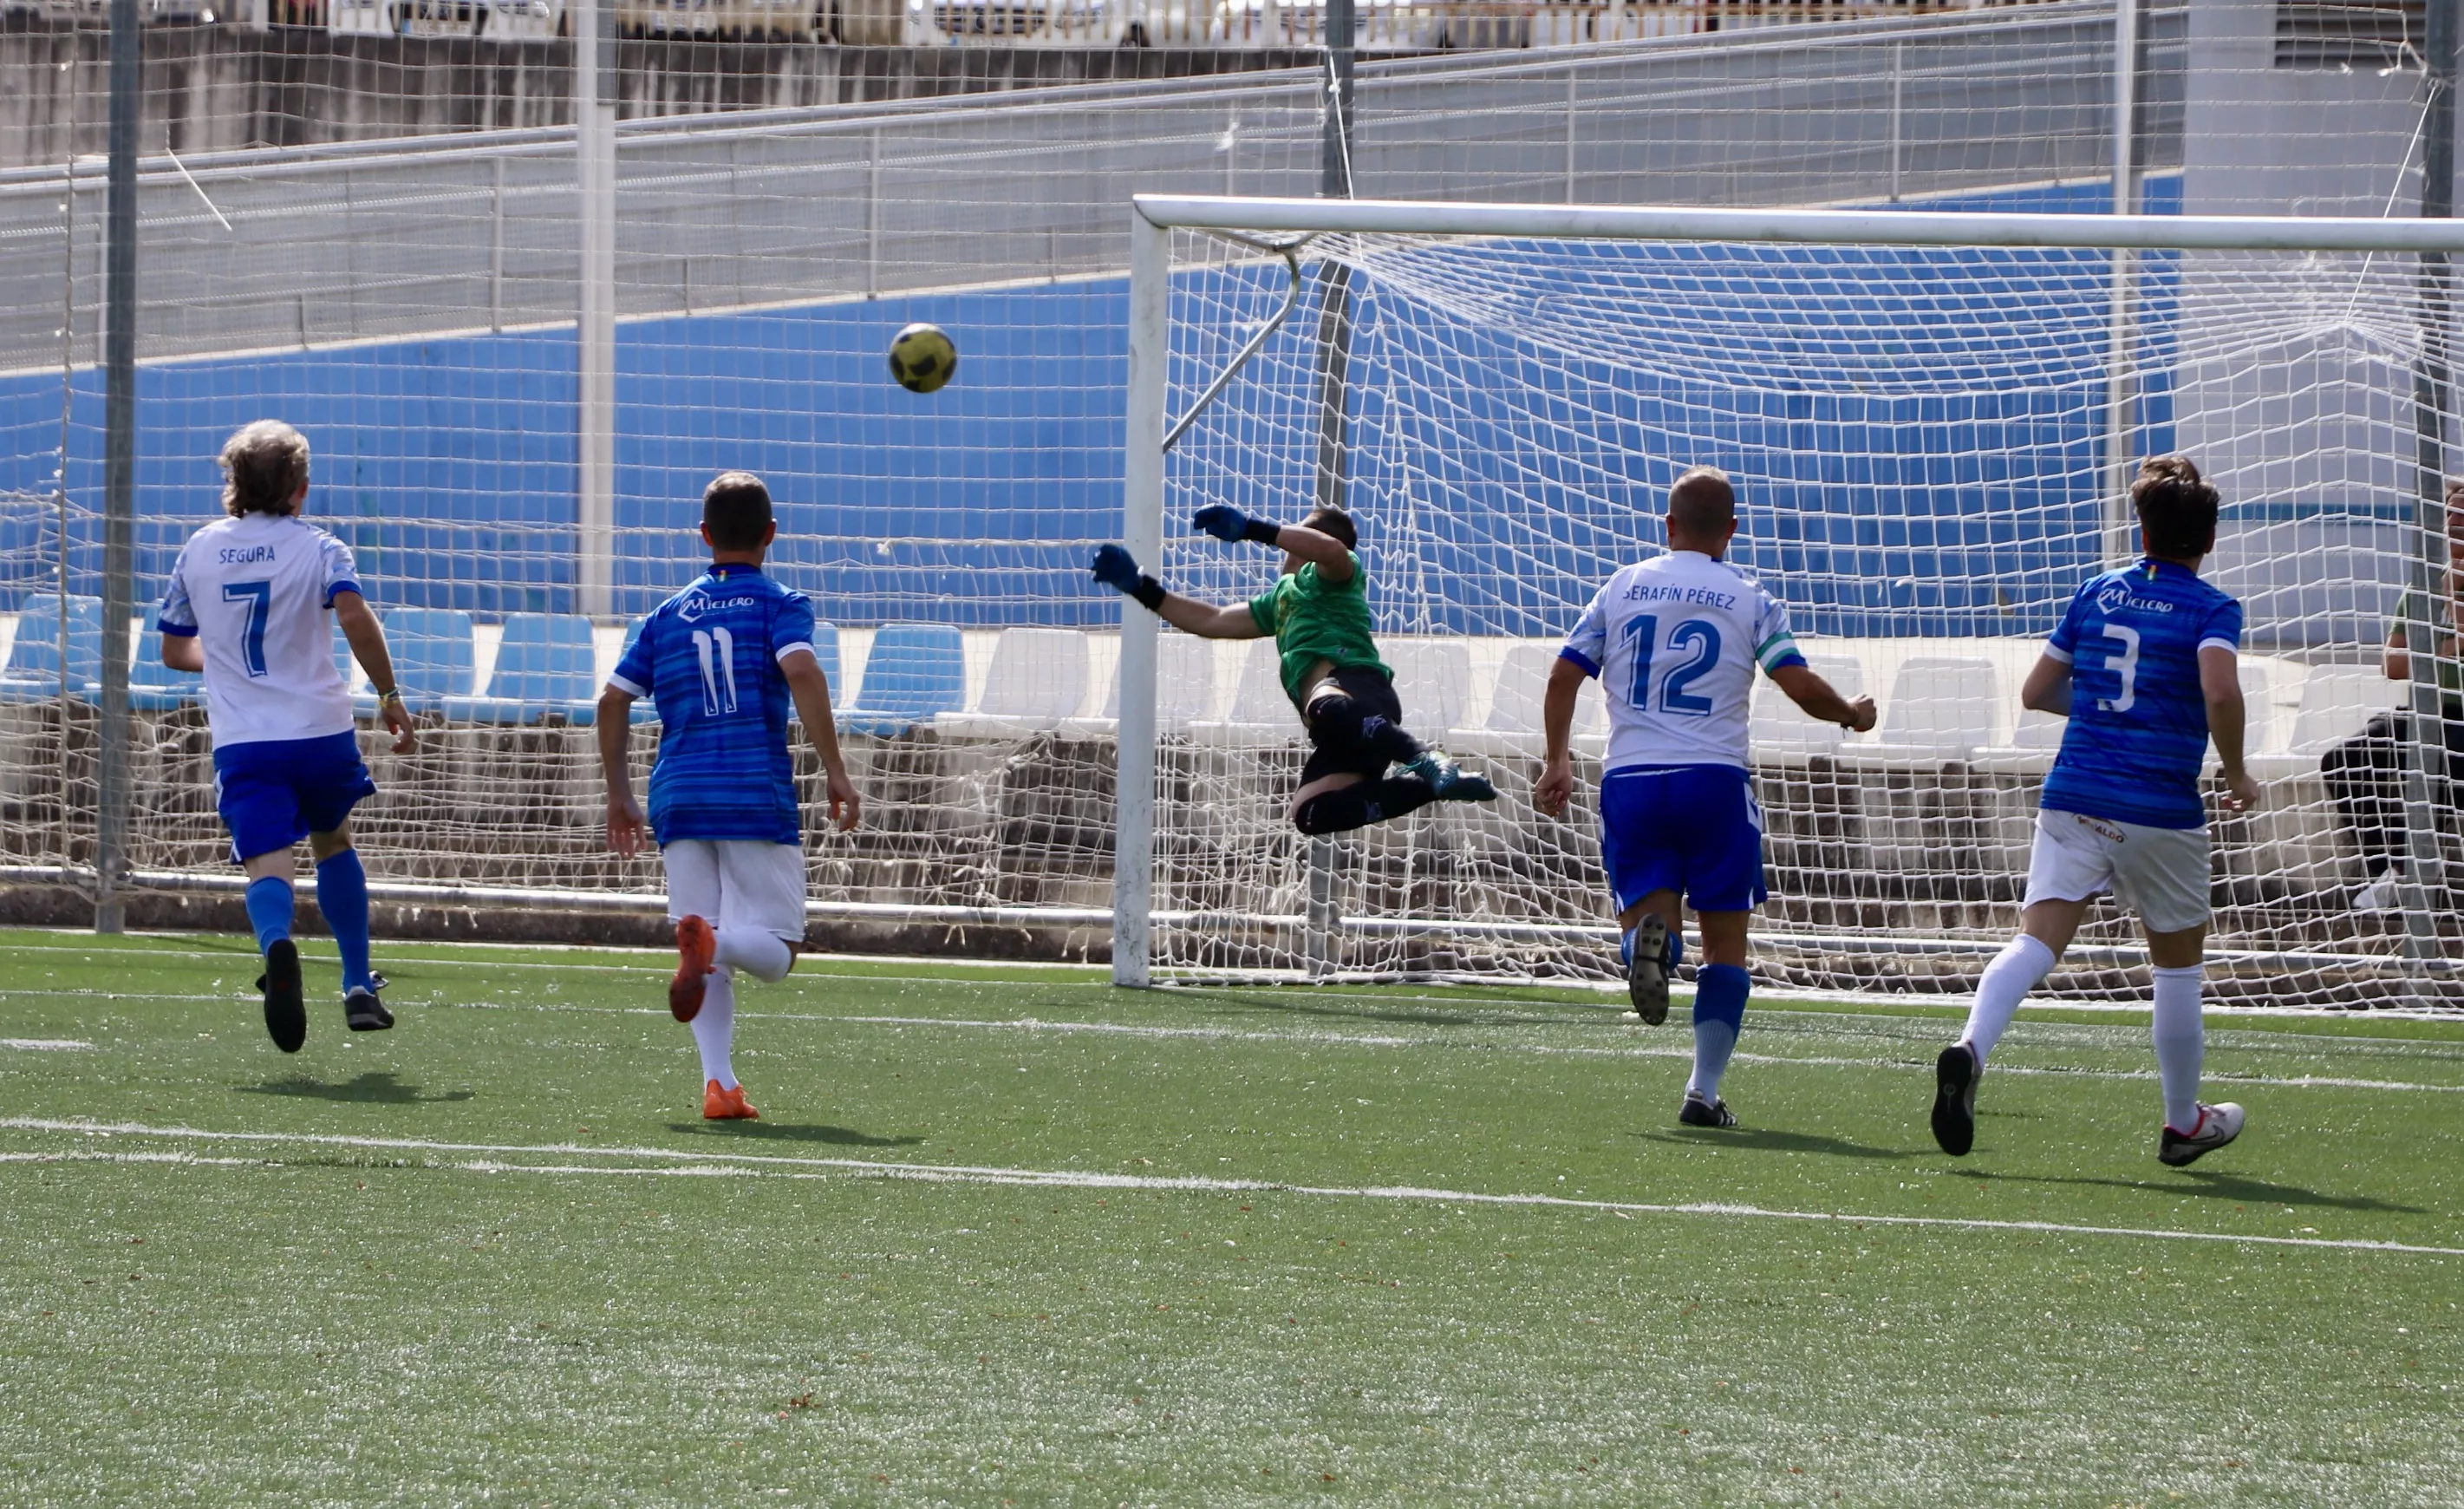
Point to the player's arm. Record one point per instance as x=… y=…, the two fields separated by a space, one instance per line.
x=368 y=641
x=177 y=619
x=1804 y=686
x=1116 y=568
x=1331 y=557
x=811 y=689
x=2397 y=661
x=1555 y=787
x=2220 y=685
x=626 y=824
x=2048 y=687
x=182 y=651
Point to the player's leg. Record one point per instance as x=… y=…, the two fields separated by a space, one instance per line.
x=254 y=795
x=1646 y=872
x=2067 y=867
x=330 y=780
x=1721 y=834
x=1354 y=716
x=2363 y=777
x=693 y=901
x=2165 y=875
x=1722 y=985
x=760 y=920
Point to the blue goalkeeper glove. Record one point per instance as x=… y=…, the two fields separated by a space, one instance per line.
x=1231 y=526
x=1119 y=570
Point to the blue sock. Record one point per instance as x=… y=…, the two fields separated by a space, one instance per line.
x=1720 y=992
x=1625 y=948
x=1675 y=951
x=342 y=896
x=269 y=910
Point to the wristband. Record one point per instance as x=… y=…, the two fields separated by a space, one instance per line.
x=1261 y=531
x=392 y=694
x=1149 y=592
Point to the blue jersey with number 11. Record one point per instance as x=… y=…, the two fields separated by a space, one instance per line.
x=2138 y=731
x=709 y=656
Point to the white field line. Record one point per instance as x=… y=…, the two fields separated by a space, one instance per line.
x=1032 y=1025
x=705 y=1165
x=44 y=1045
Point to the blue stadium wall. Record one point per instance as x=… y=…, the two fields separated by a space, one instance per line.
x=449 y=466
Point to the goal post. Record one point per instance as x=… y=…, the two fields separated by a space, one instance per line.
x=1918 y=405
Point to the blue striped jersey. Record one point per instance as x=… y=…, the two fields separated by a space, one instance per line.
x=709 y=658
x=2138 y=731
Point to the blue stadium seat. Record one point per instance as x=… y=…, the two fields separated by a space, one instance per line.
x=34 y=671
x=154 y=687
x=913 y=673
x=433 y=657
x=546 y=665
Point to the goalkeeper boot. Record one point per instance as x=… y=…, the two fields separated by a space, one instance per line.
x=286 y=1011
x=1448 y=782
x=1646 y=973
x=1955 y=1099
x=721 y=1105
x=2211 y=1128
x=696 y=949
x=1695 y=1111
x=365 y=1012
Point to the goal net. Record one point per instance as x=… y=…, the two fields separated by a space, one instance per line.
x=1930 y=444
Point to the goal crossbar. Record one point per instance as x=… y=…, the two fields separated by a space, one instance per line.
x=1805 y=227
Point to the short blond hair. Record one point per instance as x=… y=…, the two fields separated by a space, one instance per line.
x=264 y=466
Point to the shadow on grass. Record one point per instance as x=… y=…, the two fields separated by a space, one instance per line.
x=1768 y=1140
x=2211 y=1185
x=789 y=1132
x=381 y=1088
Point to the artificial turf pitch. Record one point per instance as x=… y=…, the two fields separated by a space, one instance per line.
x=1011 y=1235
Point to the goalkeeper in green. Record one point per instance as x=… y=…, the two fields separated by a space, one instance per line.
x=1318 y=611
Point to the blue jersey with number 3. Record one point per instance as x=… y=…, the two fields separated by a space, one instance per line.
x=709 y=656
x=2138 y=731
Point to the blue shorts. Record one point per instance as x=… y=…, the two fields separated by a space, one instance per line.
x=273 y=792
x=1693 y=829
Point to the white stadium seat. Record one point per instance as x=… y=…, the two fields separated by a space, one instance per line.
x=1941 y=707
x=1781 y=727
x=1038 y=678
x=1433 y=681
x=2336 y=702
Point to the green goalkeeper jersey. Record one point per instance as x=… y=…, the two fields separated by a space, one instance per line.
x=1313 y=619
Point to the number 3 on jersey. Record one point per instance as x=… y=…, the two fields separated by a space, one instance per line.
x=2124 y=665
x=1700 y=636
x=717 y=648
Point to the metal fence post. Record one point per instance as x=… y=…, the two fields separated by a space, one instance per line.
x=119 y=474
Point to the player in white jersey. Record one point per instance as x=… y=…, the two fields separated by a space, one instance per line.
x=1675 y=641
x=253 y=603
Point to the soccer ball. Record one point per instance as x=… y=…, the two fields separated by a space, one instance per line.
x=922 y=358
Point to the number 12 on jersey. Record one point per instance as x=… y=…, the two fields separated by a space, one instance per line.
x=1700 y=636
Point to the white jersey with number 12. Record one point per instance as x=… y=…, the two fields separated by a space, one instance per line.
x=1675 y=641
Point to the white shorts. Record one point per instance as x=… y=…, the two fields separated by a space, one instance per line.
x=2160 y=872
x=737 y=882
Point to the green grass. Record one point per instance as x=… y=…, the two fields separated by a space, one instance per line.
x=560 y=1286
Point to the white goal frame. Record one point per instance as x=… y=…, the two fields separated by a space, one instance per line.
x=1154 y=217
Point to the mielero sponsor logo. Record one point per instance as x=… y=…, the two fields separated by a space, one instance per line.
x=2115 y=596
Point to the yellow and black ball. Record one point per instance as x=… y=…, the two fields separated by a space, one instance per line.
x=922 y=358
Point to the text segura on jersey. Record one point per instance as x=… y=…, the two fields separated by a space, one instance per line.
x=2138 y=729
x=709 y=658
x=1675 y=641
x=257 y=592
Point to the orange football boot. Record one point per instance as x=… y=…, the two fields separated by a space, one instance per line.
x=725 y=1106
x=697 y=947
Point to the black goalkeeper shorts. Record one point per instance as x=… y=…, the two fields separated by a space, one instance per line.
x=1339 y=753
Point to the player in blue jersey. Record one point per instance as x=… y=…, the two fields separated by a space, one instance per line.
x=723 y=659
x=2143 y=665
x=1675 y=641
x=252 y=603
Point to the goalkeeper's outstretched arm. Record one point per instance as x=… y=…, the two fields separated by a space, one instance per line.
x=1116 y=568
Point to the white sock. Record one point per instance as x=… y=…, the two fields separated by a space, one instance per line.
x=714 y=1028
x=2018 y=968
x=2181 y=1044
x=763 y=955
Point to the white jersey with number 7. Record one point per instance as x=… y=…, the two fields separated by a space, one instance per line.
x=1675 y=641
x=258 y=592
